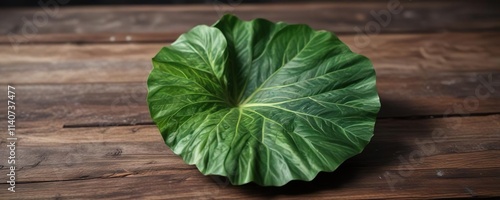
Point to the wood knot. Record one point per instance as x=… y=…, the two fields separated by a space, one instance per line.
x=115 y=153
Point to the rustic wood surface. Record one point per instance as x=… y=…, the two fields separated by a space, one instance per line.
x=84 y=128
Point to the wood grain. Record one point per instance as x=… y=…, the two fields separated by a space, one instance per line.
x=106 y=104
x=133 y=162
x=393 y=55
x=165 y=23
x=419 y=74
x=102 y=84
x=85 y=132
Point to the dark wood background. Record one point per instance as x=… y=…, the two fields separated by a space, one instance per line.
x=84 y=129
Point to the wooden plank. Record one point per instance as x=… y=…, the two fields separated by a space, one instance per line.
x=133 y=162
x=424 y=74
x=104 y=104
x=165 y=23
x=418 y=55
x=182 y=185
x=76 y=63
x=97 y=104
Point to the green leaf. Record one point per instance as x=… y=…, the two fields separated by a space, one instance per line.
x=261 y=101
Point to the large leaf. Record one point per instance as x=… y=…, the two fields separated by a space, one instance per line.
x=263 y=102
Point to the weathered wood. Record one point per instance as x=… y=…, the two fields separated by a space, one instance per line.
x=85 y=132
x=393 y=56
x=121 y=162
x=181 y=185
x=104 y=104
x=115 y=23
x=186 y=184
x=418 y=74
x=125 y=103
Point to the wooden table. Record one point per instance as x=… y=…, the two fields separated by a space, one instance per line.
x=84 y=130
